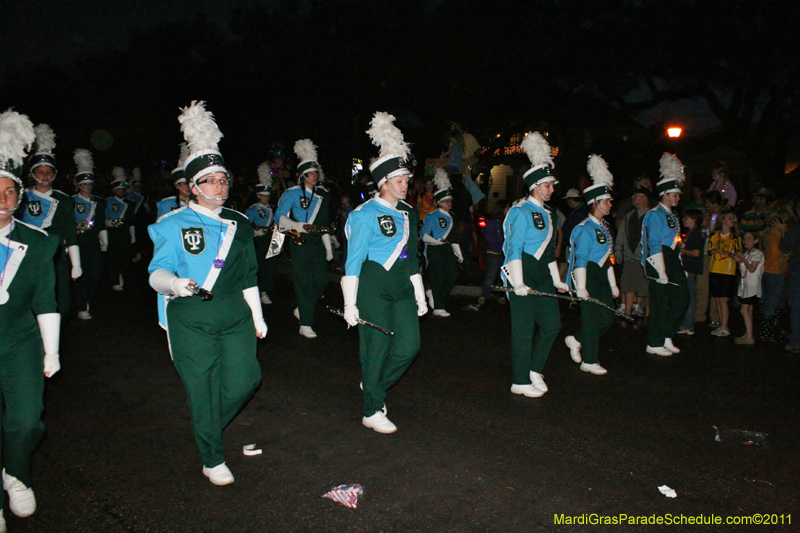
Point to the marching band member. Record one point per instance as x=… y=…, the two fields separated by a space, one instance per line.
x=298 y=207
x=382 y=283
x=261 y=217
x=121 y=231
x=51 y=210
x=29 y=321
x=171 y=203
x=443 y=260
x=92 y=235
x=669 y=290
x=213 y=343
x=591 y=269
x=531 y=264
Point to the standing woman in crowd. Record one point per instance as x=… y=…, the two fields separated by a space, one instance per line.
x=780 y=216
x=591 y=272
x=531 y=264
x=382 y=283
x=669 y=291
x=722 y=245
x=443 y=257
x=29 y=321
x=721 y=183
x=212 y=342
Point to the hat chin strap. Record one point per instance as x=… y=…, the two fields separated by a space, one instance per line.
x=540 y=192
x=400 y=196
x=19 y=200
x=207 y=197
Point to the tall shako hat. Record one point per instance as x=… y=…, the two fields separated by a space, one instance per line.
x=202 y=136
x=441 y=182
x=177 y=174
x=672 y=175
x=85 y=164
x=16 y=137
x=394 y=152
x=602 y=179
x=372 y=189
x=307 y=154
x=118 y=178
x=45 y=144
x=541 y=158
x=264 y=179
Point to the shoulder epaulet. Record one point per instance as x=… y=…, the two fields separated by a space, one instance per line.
x=40 y=230
x=292 y=188
x=170 y=213
x=229 y=210
x=167 y=198
x=60 y=194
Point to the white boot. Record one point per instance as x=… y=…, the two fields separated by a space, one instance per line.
x=21 y=499
x=671 y=347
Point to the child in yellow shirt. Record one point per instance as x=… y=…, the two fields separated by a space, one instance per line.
x=722 y=246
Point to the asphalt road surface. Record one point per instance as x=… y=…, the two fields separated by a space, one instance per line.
x=119 y=455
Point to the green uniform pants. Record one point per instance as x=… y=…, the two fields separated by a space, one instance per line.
x=119 y=252
x=529 y=347
x=668 y=303
x=92 y=266
x=22 y=384
x=443 y=270
x=310 y=276
x=213 y=347
x=387 y=300
x=266 y=267
x=595 y=320
x=63 y=282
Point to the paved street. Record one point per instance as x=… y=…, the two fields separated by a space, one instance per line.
x=119 y=455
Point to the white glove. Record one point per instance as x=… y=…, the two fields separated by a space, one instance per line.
x=286 y=223
x=132 y=231
x=350 y=294
x=557 y=283
x=428 y=239
x=326 y=242
x=165 y=282
x=50 y=330
x=516 y=278
x=612 y=280
x=335 y=242
x=253 y=299
x=579 y=276
x=75 y=259
x=103 y=238
x=657 y=262
x=419 y=294
x=457 y=251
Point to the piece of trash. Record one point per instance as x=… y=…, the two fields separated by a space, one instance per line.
x=668 y=492
x=473 y=307
x=741 y=436
x=250 y=449
x=347 y=495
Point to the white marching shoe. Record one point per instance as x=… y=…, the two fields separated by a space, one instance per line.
x=3 y=528
x=671 y=347
x=84 y=315
x=307 y=332
x=441 y=312
x=378 y=422
x=219 y=475
x=574 y=348
x=538 y=381
x=120 y=285
x=528 y=390
x=21 y=499
x=594 y=368
x=265 y=299
x=296 y=313
x=429 y=294
x=658 y=350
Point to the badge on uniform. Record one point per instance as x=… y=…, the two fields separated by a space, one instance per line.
x=538 y=220
x=115 y=208
x=387 y=225
x=194 y=240
x=601 y=236
x=442 y=223
x=80 y=207
x=35 y=208
x=305 y=202
x=671 y=224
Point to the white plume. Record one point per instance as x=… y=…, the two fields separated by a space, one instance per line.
x=387 y=137
x=118 y=173
x=537 y=148
x=199 y=128
x=83 y=160
x=441 y=180
x=598 y=170
x=306 y=150
x=45 y=138
x=672 y=168
x=265 y=175
x=16 y=137
x=137 y=174
x=184 y=155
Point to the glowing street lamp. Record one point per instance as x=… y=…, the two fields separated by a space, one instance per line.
x=674 y=132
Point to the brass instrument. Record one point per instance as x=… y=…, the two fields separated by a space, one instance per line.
x=298 y=238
